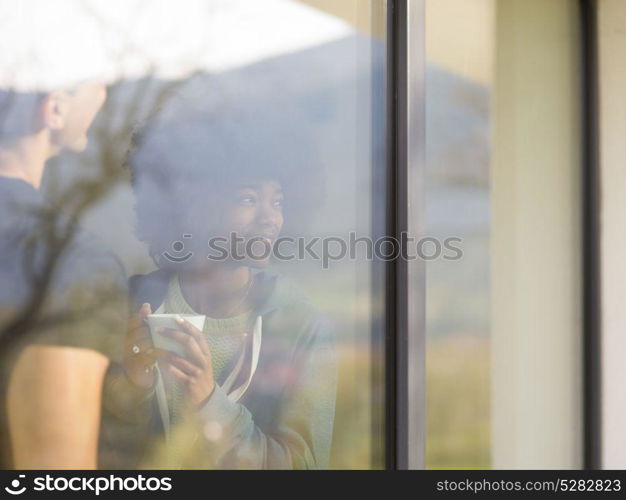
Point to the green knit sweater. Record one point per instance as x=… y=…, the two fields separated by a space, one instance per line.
x=225 y=338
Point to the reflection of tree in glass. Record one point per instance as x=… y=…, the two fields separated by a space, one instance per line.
x=60 y=287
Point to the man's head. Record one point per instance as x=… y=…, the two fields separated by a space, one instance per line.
x=68 y=115
x=62 y=117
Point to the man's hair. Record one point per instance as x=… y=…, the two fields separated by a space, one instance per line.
x=189 y=152
x=19 y=115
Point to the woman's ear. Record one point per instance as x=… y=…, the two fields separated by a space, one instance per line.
x=55 y=109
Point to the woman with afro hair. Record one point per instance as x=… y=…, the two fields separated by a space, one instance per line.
x=256 y=387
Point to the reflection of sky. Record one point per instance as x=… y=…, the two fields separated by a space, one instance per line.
x=45 y=44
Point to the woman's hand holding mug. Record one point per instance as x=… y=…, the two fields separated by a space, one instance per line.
x=195 y=371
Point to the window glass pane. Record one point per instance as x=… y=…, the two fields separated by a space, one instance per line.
x=227 y=155
x=459 y=52
x=504 y=358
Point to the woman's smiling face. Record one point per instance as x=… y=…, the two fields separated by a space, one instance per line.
x=251 y=219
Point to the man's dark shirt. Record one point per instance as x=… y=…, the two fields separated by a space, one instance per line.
x=84 y=302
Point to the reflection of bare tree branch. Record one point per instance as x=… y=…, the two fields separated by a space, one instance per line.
x=51 y=320
x=57 y=226
x=7 y=100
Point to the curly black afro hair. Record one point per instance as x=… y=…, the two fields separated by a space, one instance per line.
x=204 y=141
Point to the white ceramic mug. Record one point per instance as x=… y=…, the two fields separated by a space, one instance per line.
x=157 y=321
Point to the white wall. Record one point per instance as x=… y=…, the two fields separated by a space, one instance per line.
x=536 y=271
x=612 y=68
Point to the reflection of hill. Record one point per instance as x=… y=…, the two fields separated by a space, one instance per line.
x=330 y=88
x=457 y=202
x=327 y=97
x=457 y=128
x=326 y=90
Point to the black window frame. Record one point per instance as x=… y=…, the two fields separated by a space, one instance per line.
x=405 y=287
